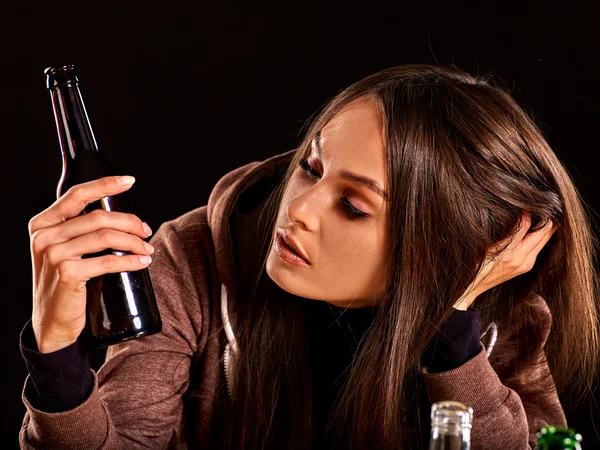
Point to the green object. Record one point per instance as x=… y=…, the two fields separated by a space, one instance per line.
x=556 y=437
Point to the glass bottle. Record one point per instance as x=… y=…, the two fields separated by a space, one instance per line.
x=120 y=306
x=450 y=426
x=552 y=437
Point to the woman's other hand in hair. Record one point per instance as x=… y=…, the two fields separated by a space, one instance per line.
x=517 y=258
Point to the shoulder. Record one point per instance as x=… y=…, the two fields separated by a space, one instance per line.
x=184 y=252
x=185 y=235
x=531 y=319
x=523 y=336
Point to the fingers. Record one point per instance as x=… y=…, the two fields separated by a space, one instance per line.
x=76 y=271
x=510 y=244
x=519 y=256
x=523 y=242
x=88 y=223
x=77 y=198
x=537 y=239
x=95 y=242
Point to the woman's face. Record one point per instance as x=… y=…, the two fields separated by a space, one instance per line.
x=333 y=217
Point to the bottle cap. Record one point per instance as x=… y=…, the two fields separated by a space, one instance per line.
x=451 y=414
x=58 y=76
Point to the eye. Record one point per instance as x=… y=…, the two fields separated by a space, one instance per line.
x=349 y=209
x=308 y=169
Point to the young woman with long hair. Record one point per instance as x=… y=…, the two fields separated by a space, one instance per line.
x=422 y=243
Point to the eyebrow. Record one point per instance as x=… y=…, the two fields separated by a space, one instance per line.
x=359 y=179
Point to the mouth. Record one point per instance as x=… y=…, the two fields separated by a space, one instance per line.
x=287 y=252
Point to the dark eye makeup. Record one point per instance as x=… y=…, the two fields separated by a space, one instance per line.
x=349 y=209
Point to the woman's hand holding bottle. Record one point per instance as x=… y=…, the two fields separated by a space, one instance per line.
x=60 y=236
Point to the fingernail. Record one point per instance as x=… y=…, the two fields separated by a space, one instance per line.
x=145 y=259
x=147 y=228
x=149 y=248
x=125 y=180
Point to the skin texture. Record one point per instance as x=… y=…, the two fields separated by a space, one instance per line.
x=59 y=237
x=346 y=254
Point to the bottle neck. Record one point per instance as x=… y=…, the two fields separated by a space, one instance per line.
x=72 y=123
x=454 y=438
x=450 y=426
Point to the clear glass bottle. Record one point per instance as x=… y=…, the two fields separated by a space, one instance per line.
x=450 y=426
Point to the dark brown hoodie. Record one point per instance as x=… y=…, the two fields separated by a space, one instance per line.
x=203 y=259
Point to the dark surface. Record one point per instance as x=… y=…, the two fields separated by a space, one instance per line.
x=203 y=87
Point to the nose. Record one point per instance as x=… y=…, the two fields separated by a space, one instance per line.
x=303 y=210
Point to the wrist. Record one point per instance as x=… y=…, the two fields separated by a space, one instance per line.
x=47 y=346
x=463 y=303
x=52 y=341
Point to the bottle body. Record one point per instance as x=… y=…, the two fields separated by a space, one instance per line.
x=120 y=306
x=450 y=426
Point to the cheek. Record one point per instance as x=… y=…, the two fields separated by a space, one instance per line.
x=367 y=263
x=357 y=246
x=354 y=272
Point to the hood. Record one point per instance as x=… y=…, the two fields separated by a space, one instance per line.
x=238 y=229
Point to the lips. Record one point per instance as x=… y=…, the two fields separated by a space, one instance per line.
x=292 y=244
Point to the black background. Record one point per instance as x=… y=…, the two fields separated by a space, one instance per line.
x=181 y=93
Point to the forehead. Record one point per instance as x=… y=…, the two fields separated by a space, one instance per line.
x=355 y=131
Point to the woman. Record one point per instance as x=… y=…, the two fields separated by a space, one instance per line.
x=434 y=228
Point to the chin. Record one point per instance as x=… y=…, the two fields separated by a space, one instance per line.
x=295 y=282
x=280 y=275
x=286 y=278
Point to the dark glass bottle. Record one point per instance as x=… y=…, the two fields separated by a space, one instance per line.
x=120 y=306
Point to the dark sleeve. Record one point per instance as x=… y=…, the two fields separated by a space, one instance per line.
x=61 y=380
x=456 y=342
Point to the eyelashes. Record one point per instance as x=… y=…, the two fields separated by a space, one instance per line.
x=349 y=209
x=352 y=210
x=308 y=168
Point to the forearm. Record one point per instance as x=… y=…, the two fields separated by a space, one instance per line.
x=60 y=380
x=63 y=405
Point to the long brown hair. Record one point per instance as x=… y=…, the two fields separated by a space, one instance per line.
x=464 y=160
